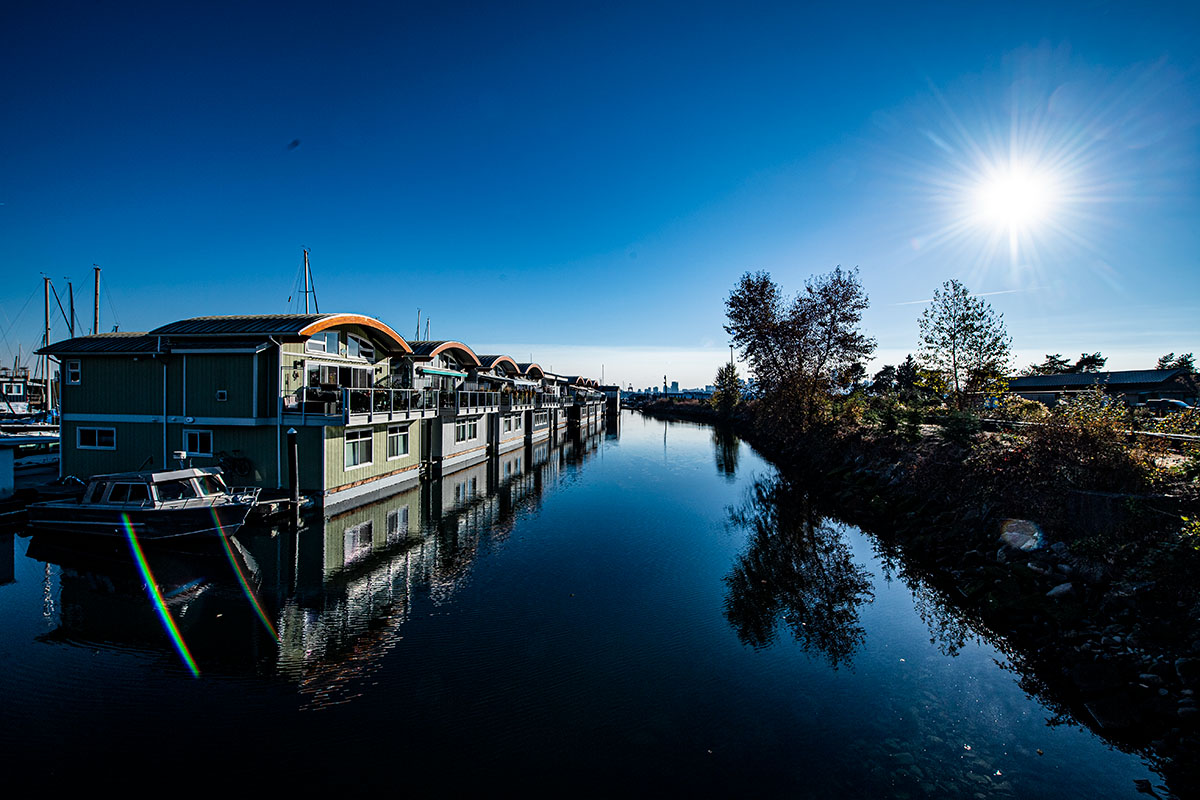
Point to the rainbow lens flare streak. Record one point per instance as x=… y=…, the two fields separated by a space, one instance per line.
x=237 y=570
x=157 y=599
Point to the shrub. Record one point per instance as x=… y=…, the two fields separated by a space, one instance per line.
x=1018 y=409
x=960 y=428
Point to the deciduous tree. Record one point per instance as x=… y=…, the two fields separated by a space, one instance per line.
x=798 y=349
x=963 y=339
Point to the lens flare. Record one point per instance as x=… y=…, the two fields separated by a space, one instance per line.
x=156 y=598
x=241 y=576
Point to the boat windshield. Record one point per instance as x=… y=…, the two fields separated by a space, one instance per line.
x=97 y=493
x=175 y=490
x=129 y=493
x=211 y=484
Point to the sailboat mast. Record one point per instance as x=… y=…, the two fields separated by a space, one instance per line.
x=46 y=342
x=306 y=280
x=96 y=300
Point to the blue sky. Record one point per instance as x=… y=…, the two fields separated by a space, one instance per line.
x=584 y=182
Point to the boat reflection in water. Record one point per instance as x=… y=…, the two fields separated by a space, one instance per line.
x=319 y=605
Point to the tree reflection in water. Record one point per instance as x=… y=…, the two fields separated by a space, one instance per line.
x=725 y=451
x=798 y=569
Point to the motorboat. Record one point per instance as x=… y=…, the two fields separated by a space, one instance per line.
x=151 y=505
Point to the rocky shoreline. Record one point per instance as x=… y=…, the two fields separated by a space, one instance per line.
x=1116 y=650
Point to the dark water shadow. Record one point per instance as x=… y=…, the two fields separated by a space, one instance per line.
x=798 y=573
x=726 y=445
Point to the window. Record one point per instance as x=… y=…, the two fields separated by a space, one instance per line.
x=211 y=484
x=175 y=490
x=96 y=438
x=397 y=441
x=222 y=395
x=359 y=348
x=326 y=342
x=358 y=448
x=198 y=443
x=397 y=524
x=466 y=430
x=14 y=389
x=74 y=373
x=512 y=423
x=97 y=494
x=138 y=493
x=541 y=419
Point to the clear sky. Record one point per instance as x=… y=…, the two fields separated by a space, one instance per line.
x=584 y=182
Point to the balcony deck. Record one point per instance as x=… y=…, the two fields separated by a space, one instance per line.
x=360 y=406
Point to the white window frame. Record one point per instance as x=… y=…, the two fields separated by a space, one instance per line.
x=323 y=338
x=190 y=451
x=466 y=430
x=74 y=372
x=79 y=439
x=361 y=345
x=400 y=432
x=369 y=438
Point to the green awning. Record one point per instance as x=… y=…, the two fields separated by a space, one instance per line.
x=447 y=372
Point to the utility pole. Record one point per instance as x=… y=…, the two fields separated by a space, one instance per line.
x=96 y=300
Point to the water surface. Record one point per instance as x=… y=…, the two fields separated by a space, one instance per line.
x=657 y=611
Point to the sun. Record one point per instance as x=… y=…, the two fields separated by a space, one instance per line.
x=1015 y=198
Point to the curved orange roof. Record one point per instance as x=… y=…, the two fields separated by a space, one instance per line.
x=333 y=320
x=492 y=362
x=429 y=349
x=527 y=369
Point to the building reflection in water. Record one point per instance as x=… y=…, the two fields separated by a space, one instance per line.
x=336 y=591
x=798 y=573
x=7 y=559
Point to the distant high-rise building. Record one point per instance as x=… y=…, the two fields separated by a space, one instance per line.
x=675 y=387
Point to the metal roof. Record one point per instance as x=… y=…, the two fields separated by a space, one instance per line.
x=525 y=368
x=1086 y=379
x=123 y=342
x=493 y=361
x=261 y=324
x=429 y=349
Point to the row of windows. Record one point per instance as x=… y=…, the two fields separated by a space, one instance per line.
x=14 y=389
x=195 y=443
x=329 y=342
x=360 y=445
x=512 y=423
x=466 y=430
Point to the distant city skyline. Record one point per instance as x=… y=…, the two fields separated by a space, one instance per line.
x=585 y=185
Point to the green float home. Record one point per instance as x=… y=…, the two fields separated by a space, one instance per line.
x=226 y=390
x=371 y=412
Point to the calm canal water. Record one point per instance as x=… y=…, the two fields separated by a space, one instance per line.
x=654 y=612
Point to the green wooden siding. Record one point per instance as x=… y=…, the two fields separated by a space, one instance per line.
x=337 y=475
x=115 y=385
x=206 y=375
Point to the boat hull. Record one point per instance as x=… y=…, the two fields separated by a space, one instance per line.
x=146 y=523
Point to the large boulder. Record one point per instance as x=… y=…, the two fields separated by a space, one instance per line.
x=1022 y=534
